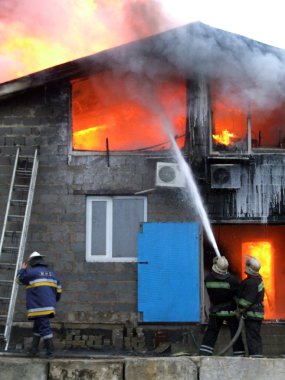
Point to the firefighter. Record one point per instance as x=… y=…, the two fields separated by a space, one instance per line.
x=222 y=288
x=250 y=304
x=43 y=290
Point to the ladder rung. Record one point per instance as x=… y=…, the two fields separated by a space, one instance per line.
x=6 y=282
x=12 y=265
x=18 y=201
x=16 y=216
x=8 y=249
x=3 y=316
x=21 y=170
x=22 y=187
x=24 y=173
x=26 y=157
x=12 y=232
x=4 y=299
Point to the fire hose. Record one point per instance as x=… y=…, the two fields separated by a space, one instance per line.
x=235 y=337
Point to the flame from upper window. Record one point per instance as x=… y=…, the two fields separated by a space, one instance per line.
x=224 y=137
x=119 y=113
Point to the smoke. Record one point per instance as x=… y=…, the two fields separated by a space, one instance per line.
x=39 y=34
x=249 y=72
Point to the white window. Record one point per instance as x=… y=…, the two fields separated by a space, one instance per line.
x=112 y=227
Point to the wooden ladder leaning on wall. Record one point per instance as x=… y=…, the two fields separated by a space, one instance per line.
x=14 y=236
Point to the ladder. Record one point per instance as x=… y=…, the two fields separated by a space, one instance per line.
x=14 y=236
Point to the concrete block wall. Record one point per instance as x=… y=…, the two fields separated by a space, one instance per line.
x=92 y=292
x=131 y=368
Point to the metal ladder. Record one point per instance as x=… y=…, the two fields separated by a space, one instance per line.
x=14 y=236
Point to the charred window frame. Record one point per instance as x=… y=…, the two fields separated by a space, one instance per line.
x=135 y=116
x=112 y=227
x=237 y=128
x=230 y=124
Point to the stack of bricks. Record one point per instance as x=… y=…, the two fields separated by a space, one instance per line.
x=74 y=339
x=135 y=338
x=129 y=337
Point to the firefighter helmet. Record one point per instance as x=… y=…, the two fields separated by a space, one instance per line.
x=252 y=266
x=220 y=265
x=34 y=255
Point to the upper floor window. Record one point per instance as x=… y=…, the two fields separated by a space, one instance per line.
x=240 y=125
x=112 y=227
x=123 y=112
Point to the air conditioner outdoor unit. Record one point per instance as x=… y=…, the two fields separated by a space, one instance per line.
x=225 y=176
x=168 y=174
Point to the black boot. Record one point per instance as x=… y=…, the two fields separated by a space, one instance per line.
x=35 y=345
x=49 y=347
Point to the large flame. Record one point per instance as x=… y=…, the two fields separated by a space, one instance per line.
x=264 y=242
x=36 y=34
x=105 y=118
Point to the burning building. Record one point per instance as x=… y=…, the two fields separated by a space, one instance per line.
x=111 y=210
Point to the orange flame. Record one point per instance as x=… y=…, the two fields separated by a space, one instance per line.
x=224 y=137
x=36 y=35
x=263 y=251
x=129 y=117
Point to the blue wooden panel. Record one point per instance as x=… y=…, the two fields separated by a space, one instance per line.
x=169 y=272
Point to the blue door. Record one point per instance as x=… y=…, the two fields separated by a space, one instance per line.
x=169 y=272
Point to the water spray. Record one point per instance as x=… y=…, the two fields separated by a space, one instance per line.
x=191 y=186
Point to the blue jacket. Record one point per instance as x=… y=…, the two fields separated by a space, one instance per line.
x=43 y=290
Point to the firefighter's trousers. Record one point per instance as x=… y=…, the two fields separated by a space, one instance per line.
x=253 y=337
x=212 y=332
x=42 y=327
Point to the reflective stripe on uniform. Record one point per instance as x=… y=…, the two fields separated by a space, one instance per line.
x=44 y=283
x=207 y=349
x=40 y=311
x=260 y=286
x=217 y=285
x=243 y=302
x=225 y=313
x=255 y=314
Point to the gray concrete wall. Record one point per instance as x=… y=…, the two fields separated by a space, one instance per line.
x=164 y=368
x=92 y=292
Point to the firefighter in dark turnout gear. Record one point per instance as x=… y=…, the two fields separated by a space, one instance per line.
x=250 y=304
x=222 y=289
x=43 y=290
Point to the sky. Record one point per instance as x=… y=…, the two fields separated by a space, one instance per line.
x=35 y=35
x=261 y=20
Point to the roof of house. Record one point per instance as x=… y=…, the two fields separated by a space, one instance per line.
x=195 y=48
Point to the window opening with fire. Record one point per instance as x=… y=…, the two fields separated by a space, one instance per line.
x=265 y=243
x=240 y=126
x=112 y=227
x=126 y=112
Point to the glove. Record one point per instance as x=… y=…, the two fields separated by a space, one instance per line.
x=239 y=312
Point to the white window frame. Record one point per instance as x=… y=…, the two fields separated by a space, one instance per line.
x=107 y=257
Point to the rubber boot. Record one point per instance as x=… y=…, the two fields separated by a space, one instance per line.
x=35 y=345
x=49 y=347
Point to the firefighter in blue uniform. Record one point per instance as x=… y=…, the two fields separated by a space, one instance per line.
x=250 y=305
x=43 y=290
x=222 y=288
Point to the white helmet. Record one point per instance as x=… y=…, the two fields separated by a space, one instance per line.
x=252 y=266
x=34 y=255
x=220 y=265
